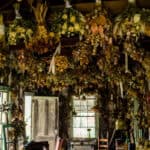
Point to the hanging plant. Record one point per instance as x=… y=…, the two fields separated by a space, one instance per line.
x=21 y=60
x=61 y=63
x=69 y=22
x=42 y=40
x=129 y=25
x=82 y=54
x=98 y=28
x=146 y=64
x=19 y=31
x=134 y=52
x=145 y=17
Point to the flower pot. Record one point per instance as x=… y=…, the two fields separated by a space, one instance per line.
x=115 y=7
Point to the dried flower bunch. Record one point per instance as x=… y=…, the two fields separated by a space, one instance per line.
x=81 y=54
x=42 y=40
x=19 y=32
x=129 y=25
x=69 y=22
x=62 y=63
x=98 y=28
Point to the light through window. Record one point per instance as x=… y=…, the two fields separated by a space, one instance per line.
x=84 y=120
x=3 y=114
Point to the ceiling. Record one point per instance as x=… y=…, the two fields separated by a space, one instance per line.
x=115 y=6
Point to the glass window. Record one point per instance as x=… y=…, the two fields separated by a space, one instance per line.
x=3 y=115
x=84 y=122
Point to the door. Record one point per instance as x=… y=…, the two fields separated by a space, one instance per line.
x=44 y=119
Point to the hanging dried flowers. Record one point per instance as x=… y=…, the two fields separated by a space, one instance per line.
x=61 y=63
x=134 y=52
x=42 y=40
x=146 y=64
x=21 y=60
x=129 y=25
x=69 y=22
x=82 y=54
x=98 y=28
x=19 y=31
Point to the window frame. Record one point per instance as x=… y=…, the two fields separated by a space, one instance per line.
x=96 y=115
x=4 y=99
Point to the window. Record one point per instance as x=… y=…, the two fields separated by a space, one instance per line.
x=4 y=108
x=84 y=120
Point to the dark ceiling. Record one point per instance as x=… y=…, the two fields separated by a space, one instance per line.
x=117 y=6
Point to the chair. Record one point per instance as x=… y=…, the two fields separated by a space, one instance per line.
x=59 y=143
x=103 y=144
x=120 y=146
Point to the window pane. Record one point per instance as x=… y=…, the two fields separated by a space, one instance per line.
x=76 y=132
x=92 y=132
x=5 y=97
x=76 y=121
x=77 y=108
x=83 y=107
x=76 y=102
x=83 y=102
x=80 y=132
x=85 y=118
x=83 y=132
x=83 y=114
x=91 y=121
x=91 y=114
x=83 y=122
x=91 y=103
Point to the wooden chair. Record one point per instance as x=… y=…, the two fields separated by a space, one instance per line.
x=120 y=146
x=59 y=143
x=103 y=144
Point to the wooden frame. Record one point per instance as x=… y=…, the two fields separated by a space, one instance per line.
x=7 y=141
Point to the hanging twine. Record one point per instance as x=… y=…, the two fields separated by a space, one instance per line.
x=52 y=68
x=126 y=63
x=10 y=78
x=20 y=92
x=67 y=4
x=121 y=89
